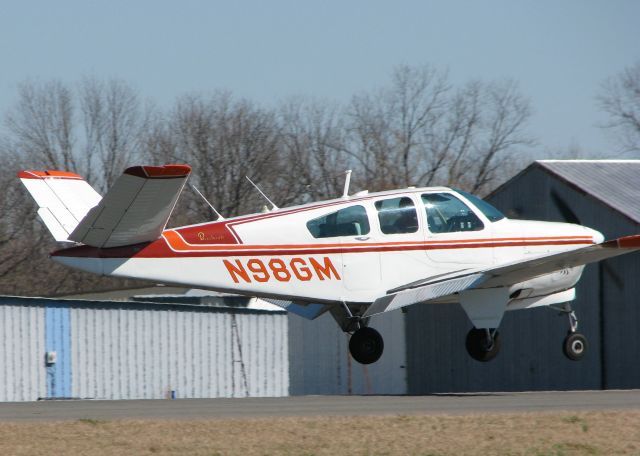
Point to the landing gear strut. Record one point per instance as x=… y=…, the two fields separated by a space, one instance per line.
x=483 y=344
x=366 y=344
x=575 y=344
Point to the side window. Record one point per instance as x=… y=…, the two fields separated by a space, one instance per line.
x=397 y=215
x=350 y=221
x=447 y=214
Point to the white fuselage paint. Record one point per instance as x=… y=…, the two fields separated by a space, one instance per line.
x=277 y=256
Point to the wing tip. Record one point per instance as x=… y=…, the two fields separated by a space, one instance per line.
x=159 y=172
x=629 y=242
x=48 y=174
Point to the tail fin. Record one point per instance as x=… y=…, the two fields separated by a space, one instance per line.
x=63 y=198
x=136 y=209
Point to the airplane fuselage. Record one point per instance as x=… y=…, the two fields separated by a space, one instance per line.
x=349 y=250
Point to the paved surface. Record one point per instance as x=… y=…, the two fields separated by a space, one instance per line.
x=320 y=405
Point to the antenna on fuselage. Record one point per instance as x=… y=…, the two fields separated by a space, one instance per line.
x=347 y=181
x=193 y=187
x=273 y=206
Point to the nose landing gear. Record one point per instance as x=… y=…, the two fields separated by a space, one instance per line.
x=575 y=344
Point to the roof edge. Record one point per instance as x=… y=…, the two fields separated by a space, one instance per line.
x=604 y=160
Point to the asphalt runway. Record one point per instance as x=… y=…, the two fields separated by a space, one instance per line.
x=189 y=409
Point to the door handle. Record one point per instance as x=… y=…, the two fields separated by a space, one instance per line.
x=362 y=238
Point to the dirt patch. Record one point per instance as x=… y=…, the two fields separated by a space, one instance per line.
x=588 y=433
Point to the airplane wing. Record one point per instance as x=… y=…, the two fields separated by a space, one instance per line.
x=432 y=289
x=136 y=209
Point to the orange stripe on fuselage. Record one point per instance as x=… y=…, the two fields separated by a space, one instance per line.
x=172 y=245
x=179 y=245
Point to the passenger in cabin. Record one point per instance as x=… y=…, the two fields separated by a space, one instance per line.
x=408 y=220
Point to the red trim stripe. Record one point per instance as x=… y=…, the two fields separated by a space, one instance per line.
x=159 y=172
x=49 y=174
x=162 y=249
x=177 y=243
x=308 y=250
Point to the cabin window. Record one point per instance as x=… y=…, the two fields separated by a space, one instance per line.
x=397 y=215
x=447 y=214
x=350 y=221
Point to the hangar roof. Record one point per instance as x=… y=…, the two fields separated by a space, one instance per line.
x=614 y=182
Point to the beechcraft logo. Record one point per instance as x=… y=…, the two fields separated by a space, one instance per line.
x=276 y=269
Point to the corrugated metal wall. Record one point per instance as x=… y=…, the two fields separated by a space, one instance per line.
x=607 y=302
x=320 y=361
x=531 y=356
x=23 y=376
x=140 y=351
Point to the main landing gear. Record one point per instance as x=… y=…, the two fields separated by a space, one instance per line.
x=575 y=344
x=483 y=344
x=366 y=344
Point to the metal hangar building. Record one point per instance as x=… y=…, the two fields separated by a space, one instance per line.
x=600 y=194
x=181 y=348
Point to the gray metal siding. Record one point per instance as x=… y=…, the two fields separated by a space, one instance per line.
x=320 y=362
x=611 y=292
x=531 y=356
x=141 y=354
x=138 y=351
x=615 y=183
x=22 y=371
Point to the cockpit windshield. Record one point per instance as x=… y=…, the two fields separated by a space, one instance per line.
x=487 y=209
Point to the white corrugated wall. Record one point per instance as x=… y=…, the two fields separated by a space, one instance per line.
x=139 y=351
x=147 y=354
x=22 y=369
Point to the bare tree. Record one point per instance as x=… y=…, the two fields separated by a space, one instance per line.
x=115 y=126
x=505 y=114
x=389 y=128
x=225 y=141
x=312 y=140
x=620 y=99
x=41 y=125
x=449 y=143
x=92 y=131
x=95 y=131
x=420 y=131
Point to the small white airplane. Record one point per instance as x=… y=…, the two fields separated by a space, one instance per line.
x=356 y=256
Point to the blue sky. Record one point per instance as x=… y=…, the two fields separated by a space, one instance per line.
x=558 y=51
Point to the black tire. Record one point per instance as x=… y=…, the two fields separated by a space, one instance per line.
x=366 y=345
x=480 y=347
x=575 y=346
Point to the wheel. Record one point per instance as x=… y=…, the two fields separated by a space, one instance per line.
x=366 y=345
x=481 y=347
x=575 y=346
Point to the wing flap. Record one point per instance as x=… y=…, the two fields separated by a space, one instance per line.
x=136 y=209
x=423 y=293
